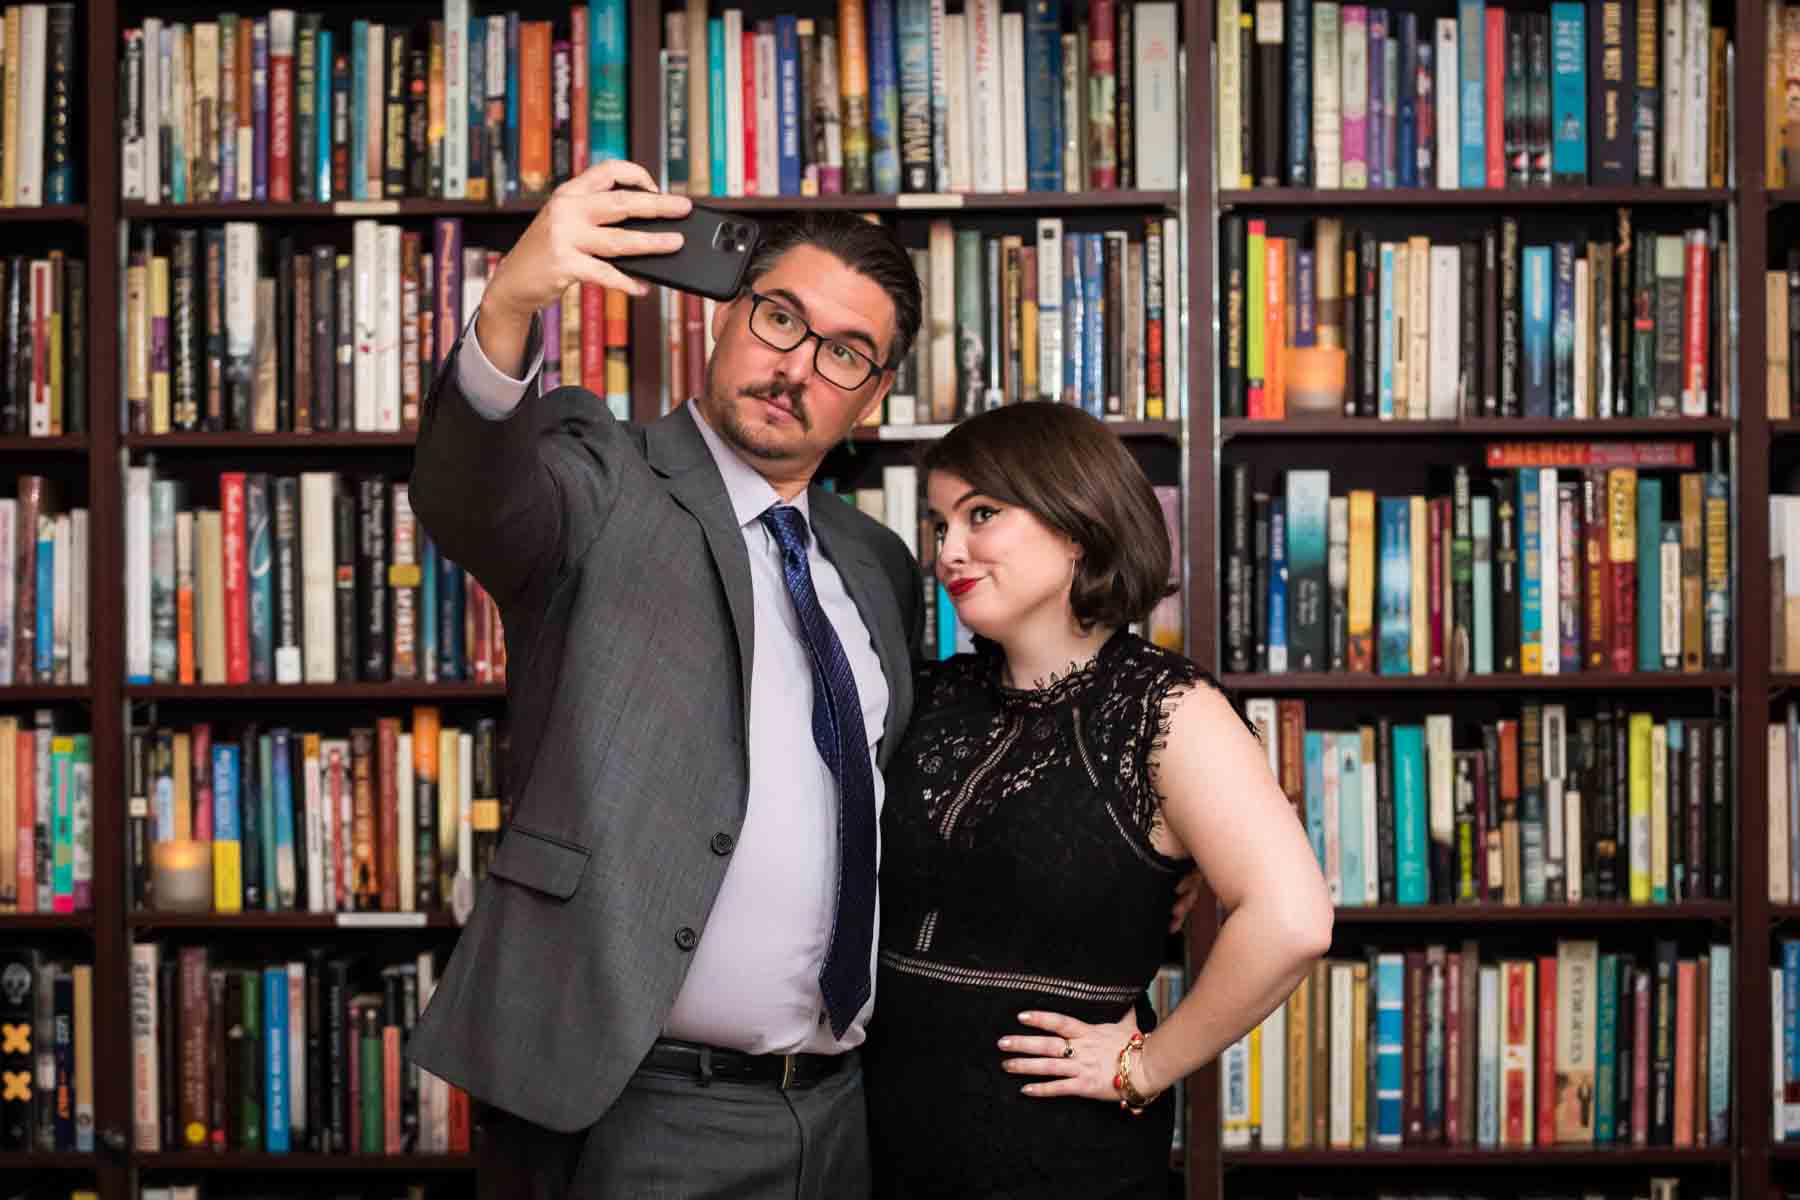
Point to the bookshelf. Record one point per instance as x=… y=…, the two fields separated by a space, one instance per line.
x=90 y=465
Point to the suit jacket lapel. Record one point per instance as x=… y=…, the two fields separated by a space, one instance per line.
x=675 y=450
x=873 y=593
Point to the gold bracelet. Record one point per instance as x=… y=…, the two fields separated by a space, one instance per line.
x=1130 y=1099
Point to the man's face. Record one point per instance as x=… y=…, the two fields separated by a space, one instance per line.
x=772 y=405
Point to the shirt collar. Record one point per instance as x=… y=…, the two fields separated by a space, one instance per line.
x=751 y=495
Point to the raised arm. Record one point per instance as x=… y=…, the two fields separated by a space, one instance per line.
x=503 y=480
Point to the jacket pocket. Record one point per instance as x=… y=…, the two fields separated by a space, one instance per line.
x=539 y=862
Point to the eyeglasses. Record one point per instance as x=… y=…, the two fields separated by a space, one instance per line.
x=780 y=328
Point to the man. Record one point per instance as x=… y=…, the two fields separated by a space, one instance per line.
x=670 y=967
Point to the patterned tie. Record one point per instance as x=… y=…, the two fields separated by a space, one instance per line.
x=837 y=728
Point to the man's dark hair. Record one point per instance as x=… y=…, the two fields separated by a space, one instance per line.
x=869 y=249
x=1075 y=475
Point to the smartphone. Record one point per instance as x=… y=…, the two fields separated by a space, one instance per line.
x=714 y=255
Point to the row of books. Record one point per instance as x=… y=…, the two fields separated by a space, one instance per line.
x=46 y=816
x=1537 y=809
x=1352 y=323
x=1781 y=318
x=43 y=345
x=330 y=341
x=286 y=1056
x=39 y=58
x=395 y=815
x=902 y=96
x=280 y=107
x=312 y=578
x=1611 y=92
x=47 y=1055
x=1439 y=1046
x=43 y=586
x=1523 y=571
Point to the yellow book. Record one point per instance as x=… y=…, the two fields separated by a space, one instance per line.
x=159 y=311
x=1299 y=1066
x=181 y=770
x=1361 y=598
x=1693 y=606
x=1421 y=599
x=1359 y=1055
x=1256 y=1083
x=1639 y=751
x=1774 y=94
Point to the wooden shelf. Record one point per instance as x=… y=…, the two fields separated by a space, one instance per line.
x=1784 y=429
x=43 y=693
x=1540 y=197
x=406 y=690
x=1495 y=428
x=67 y=443
x=1469 y=1156
x=1783 y=196
x=269 y=922
x=206 y=1160
x=46 y=1160
x=914 y=434
x=42 y=214
x=345 y=210
x=1573 y=681
x=164 y=442
x=37 y=922
x=1608 y=912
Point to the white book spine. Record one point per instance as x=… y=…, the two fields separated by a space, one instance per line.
x=33 y=55
x=1446 y=331
x=733 y=21
x=1669 y=583
x=1050 y=327
x=1487 y=1068
x=1573 y=864
x=1012 y=72
x=9 y=566
x=456 y=98
x=768 y=131
x=146 y=1109
x=364 y=257
x=1229 y=164
x=131 y=148
x=1554 y=743
x=405 y=802
x=1341 y=981
x=318 y=571
x=1328 y=60
x=900 y=492
x=1695 y=97
x=1449 y=120
x=387 y=329
x=1073 y=91
x=1156 y=94
x=1777 y=801
x=1440 y=776
x=1234 y=1095
x=317 y=899
x=137 y=575
x=987 y=149
x=1417 y=332
x=1584 y=339
x=1674 y=122
x=465 y=829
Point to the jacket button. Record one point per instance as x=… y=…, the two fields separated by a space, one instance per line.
x=686 y=938
x=723 y=843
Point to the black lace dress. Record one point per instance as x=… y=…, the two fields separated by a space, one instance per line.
x=1018 y=873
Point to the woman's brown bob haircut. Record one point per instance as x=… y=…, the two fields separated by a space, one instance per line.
x=1072 y=472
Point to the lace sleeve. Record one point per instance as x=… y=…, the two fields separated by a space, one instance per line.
x=1162 y=700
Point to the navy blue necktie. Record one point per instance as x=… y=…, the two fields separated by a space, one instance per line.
x=837 y=729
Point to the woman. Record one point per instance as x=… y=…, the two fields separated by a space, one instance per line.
x=1052 y=790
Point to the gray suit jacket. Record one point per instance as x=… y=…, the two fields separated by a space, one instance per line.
x=624 y=584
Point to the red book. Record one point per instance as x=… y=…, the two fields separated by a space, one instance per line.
x=1546 y=1050
x=1436 y=510
x=281 y=107
x=25 y=781
x=237 y=592
x=1454 y=1134
x=496 y=637
x=1515 y=1102
x=1686 y=1045
x=1621 y=492
x=387 y=844
x=578 y=87
x=390 y=1088
x=1697 y=292
x=1413 y=1055
x=475 y=606
x=1599 y=569
x=202 y=773
x=749 y=76
x=1495 y=102
x=593 y=338
x=693 y=344
x=459 y=1120
x=1103 y=74
x=336 y=781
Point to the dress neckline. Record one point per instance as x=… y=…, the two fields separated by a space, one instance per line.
x=1062 y=687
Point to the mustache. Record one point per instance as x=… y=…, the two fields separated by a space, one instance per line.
x=794 y=395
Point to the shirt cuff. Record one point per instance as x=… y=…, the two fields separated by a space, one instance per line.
x=491 y=392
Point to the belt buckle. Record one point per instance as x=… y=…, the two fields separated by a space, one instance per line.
x=787 y=1070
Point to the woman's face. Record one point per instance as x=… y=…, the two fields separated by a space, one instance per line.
x=1000 y=564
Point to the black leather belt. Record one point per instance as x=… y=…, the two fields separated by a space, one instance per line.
x=707 y=1063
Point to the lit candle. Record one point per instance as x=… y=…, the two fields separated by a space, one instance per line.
x=181 y=875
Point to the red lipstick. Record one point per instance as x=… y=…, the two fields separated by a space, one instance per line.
x=960 y=586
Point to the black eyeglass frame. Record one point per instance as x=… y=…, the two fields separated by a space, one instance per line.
x=757 y=299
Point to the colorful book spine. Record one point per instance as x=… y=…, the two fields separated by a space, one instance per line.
x=1568 y=92
x=1471 y=109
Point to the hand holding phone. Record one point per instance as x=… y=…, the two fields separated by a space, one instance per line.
x=715 y=252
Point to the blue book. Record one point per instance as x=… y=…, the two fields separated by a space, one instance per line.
x=230 y=26
x=1378 y=99
x=1388 y=328
x=286 y=882
x=275 y=1059
x=359 y=108
x=428 y=605
x=1043 y=96
x=1481 y=574
x=259 y=544
x=228 y=879
x=1406 y=126
x=1390 y=1047
x=1562 y=331
x=1074 y=310
x=912 y=25
x=450 y=621
x=1299 y=92
x=480 y=153
x=1790 y=1027
x=1394 y=537
x=1606 y=1062
x=1718 y=1044
x=1278 y=585
x=62 y=824
x=1434 y=1045
x=265 y=817
x=511 y=133
x=1353 y=864
x=45 y=659
x=1674 y=889
x=606 y=79
x=1531 y=581
x=787 y=92
x=322 y=114
x=1536 y=298
x=1411 y=854
x=1649 y=573
x=259 y=92
x=715 y=102
x=884 y=98
x=1308 y=503
x=1568 y=92
x=1471 y=20
x=1306 y=290
x=946 y=624
x=1093 y=328
x=1312 y=758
